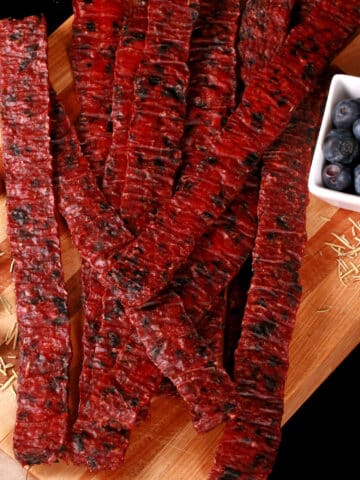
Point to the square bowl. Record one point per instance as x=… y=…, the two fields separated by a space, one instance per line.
x=341 y=87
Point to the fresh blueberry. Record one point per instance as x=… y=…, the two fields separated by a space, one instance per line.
x=336 y=177
x=356 y=129
x=345 y=113
x=340 y=146
x=357 y=179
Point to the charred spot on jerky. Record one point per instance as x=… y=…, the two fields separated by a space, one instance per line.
x=261 y=301
x=251 y=159
x=109 y=446
x=270 y=383
x=309 y=72
x=179 y=353
x=230 y=474
x=54 y=384
x=91 y=462
x=56 y=274
x=78 y=443
x=257 y=120
x=174 y=92
x=33 y=458
x=114 y=340
x=108 y=68
x=15 y=150
x=263 y=328
x=15 y=36
x=158 y=162
x=271 y=235
x=154 y=80
x=207 y=215
x=58 y=321
x=282 y=223
x=90 y=26
x=134 y=402
x=165 y=47
x=146 y=321
x=155 y=352
x=274 y=361
x=60 y=304
x=20 y=216
x=228 y=407
x=25 y=63
x=201 y=350
x=188 y=185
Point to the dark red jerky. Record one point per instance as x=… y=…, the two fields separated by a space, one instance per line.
x=128 y=56
x=41 y=427
x=211 y=328
x=159 y=109
x=96 y=31
x=219 y=254
x=144 y=270
x=176 y=348
x=264 y=27
x=123 y=382
x=94 y=225
x=212 y=63
x=261 y=359
x=92 y=305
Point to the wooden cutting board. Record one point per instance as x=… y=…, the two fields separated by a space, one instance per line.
x=166 y=446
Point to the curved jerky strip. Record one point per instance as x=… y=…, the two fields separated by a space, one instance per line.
x=96 y=30
x=77 y=204
x=219 y=254
x=264 y=27
x=212 y=87
x=249 y=445
x=184 y=357
x=159 y=108
x=149 y=262
x=42 y=419
x=128 y=56
x=123 y=382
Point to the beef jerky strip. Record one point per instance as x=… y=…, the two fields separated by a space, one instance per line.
x=75 y=204
x=80 y=200
x=186 y=359
x=212 y=87
x=42 y=419
x=148 y=263
x=219 y=254
x=128 y=56
x=96 y=30
x=264 y=27
x=159 y=108
x=249 y=444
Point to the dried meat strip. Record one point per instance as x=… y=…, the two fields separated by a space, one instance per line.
x=159 y=109
x=148 y=263
x=96 y=30
x=219 y=254
x=183 y=356
x=78 y=204
x=212 y=87
x=264 y=27
x=249 y=444
x=42 y=420
x=128 y=56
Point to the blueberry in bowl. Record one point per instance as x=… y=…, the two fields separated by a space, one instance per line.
x=337 y=177
x=340 y=146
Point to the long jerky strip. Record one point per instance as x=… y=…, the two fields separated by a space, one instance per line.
x=96 y=30
x=143 y=269
x=159 y=109
x=42 y=419
x=212 y=87
x=80 y=200
x=128 y=56
x=264 y=27
x=249 y=444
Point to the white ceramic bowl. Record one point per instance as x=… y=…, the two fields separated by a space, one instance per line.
x=341 y=87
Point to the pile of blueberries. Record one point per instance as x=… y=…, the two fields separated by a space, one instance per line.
x=341 y=148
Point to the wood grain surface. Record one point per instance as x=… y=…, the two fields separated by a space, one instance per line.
x=166 y=446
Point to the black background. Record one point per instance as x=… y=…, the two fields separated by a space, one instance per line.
x=321 y=441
